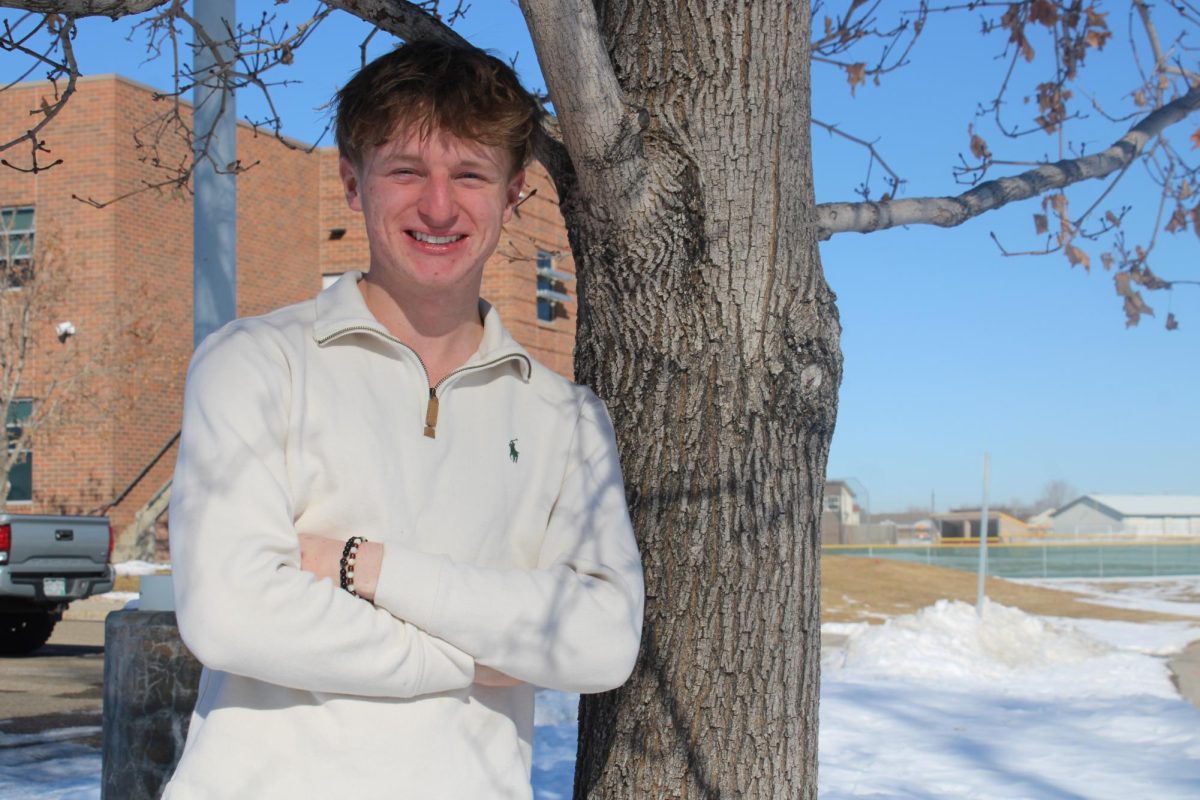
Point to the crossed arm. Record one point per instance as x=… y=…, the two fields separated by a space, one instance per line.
x=253 y=600
x=322 y=556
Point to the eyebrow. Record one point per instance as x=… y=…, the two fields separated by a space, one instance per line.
x=468 y=163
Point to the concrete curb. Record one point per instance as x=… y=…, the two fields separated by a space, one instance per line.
x=92 y=609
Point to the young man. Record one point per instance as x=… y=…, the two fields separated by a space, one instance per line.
x=395 y=407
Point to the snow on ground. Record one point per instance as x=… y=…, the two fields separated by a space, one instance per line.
x=940 y=704
x=937 y=705
x=48 y=766
x=1173 y=595
x=140 y=568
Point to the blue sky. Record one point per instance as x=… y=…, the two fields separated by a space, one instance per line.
x=951 y=349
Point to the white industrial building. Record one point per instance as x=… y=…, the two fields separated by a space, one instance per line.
x=1138 y=516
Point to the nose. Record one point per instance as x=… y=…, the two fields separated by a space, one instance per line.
x=437 y=205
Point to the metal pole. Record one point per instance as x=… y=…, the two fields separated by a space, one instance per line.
x=214 y=217
x=150 y=678
x=981 y=596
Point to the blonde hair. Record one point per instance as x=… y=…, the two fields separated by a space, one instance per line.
x=433 y=86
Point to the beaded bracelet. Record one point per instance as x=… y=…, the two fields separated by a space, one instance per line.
x=349 y=556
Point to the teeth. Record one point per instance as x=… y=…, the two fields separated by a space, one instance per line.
x=431 y=239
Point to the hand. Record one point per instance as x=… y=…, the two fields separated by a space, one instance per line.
x=322 y=556
x=486 y=676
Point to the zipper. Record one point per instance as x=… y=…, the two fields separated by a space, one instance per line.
x=431 y=409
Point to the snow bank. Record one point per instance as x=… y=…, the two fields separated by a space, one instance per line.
x=140 y=568
x=943 y=704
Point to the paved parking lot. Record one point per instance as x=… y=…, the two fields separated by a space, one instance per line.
x=59 y=686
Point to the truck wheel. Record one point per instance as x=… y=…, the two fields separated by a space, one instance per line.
x=24 y=632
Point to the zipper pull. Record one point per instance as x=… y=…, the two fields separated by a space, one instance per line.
x=431 y=412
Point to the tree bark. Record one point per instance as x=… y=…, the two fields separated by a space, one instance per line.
x=707 y=327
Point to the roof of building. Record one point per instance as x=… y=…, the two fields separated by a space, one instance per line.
x=1143 y=505
x=977 y=513
x=900 y=517
x=836 y=484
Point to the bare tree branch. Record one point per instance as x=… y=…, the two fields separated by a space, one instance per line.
x=894 y=180
x=948 y=212
x=400 y=18
x=113 y=9
x=599 y=129
x=62 y=30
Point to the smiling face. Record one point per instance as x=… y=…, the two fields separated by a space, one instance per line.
x=433 y=207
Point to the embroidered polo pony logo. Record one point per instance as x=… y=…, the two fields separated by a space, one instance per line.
x=513 y=455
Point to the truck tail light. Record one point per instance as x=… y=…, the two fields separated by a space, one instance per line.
x=5 y=542
x=112 y=541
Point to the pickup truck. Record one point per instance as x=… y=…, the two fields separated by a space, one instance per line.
x=45 y=563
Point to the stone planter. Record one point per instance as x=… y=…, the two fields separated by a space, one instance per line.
x=150 y=684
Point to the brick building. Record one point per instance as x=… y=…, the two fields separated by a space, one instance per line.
x=126 y=280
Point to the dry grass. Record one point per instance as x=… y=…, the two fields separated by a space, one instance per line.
x=857 y=589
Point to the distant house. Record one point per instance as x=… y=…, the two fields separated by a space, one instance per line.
x=839 y=512
x=1140 y=516
x=909 y=526
x=840 y=500
x=959 y=525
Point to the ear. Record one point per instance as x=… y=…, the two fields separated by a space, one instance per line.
x=350 y=183
x=512 y=193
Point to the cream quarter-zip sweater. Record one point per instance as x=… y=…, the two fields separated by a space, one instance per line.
x=506 y=541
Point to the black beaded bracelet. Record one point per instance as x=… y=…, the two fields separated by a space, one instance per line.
x=349 y=556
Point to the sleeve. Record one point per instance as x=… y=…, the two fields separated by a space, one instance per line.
x=243 y=604
x=574 y=623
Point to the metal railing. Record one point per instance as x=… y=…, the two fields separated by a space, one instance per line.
x=1045 y=559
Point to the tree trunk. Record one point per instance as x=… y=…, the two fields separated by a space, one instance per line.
x=706 y=326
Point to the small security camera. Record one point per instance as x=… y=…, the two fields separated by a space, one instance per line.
x=65 y=330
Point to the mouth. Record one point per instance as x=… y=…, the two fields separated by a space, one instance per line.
x=429 y=238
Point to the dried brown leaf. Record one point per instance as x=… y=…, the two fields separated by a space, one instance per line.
x=1043 y=12
x=1139 y=98
x=1135 y=307
x=1112 y=219
x=1056 y=202
x=1107 y=260
x=979 y=147
x=1172 y=324
x=1040 y=224
x=1121 y=281
x=1077 y=256
x=1097 y=39
x=1178 y=220
x=855 y=74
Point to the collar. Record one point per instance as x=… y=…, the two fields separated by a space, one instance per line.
x=341 y=311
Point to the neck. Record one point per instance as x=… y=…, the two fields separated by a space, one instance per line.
x=443 y=328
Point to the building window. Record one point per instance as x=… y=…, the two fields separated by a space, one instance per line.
x=551 y=288
x=20 y=477
x=833 y=503
x=16 y=246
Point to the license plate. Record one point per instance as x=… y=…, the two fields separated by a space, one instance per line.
x=54 y=587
